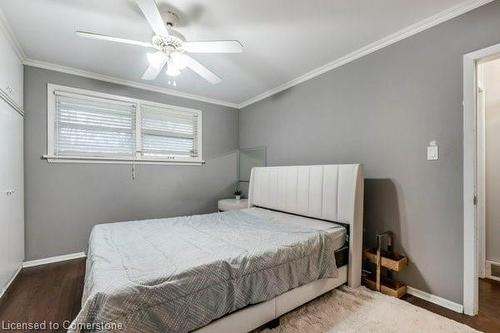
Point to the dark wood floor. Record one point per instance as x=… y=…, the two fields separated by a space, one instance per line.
x=52 y=293
x=49 y=293
x=488 y=319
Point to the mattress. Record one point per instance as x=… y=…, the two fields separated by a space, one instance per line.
x=179 y=274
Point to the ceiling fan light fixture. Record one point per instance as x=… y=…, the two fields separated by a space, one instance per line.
x=178 y=60
x=171 y=46
x=172 y=70
x=156 y=59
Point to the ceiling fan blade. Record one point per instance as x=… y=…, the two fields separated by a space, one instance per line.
x=112 y=39
x=153 y=70
x=201 y=70
x=216 y=46
x=152 y=14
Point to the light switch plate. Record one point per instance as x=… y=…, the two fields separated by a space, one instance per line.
x=432 y=153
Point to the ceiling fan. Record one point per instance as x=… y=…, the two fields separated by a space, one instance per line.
x=171 y=46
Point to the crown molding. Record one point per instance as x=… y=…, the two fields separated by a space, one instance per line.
x=420 y=26
x=409 y=31
x=133 y=84
x=5 y=27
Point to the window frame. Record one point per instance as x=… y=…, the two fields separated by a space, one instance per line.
x=139 y=159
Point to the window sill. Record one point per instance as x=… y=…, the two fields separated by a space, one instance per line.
x=117 y=160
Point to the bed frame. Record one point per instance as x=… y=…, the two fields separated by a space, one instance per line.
x=327 y=192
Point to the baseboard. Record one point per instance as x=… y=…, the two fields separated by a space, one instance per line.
x=491 y=277
x=38 y=262
x=489 y=273
x=50 y=260
x=4 y=290
x=436 y=300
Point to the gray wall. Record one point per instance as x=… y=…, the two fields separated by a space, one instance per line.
x=64 y=201
x=491 y=84
x=382 y=110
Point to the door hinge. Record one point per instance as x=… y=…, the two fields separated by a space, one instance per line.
x=474 y=200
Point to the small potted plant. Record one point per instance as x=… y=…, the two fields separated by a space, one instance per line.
x=237 y=194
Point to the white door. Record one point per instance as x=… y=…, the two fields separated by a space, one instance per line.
x=11 y=193
x=16 y=196
x=5 y=271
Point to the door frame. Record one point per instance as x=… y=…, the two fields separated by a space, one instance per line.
x=481 y=174
x=471 y=274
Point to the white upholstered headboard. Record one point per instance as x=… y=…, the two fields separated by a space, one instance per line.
x=328 y=192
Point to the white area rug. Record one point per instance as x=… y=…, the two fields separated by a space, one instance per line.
x=361 y=310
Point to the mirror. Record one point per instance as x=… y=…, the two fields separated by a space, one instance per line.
x=249 y=158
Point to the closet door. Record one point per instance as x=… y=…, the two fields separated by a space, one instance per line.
x=11 y=193
x=15 y=200
x=5 y=271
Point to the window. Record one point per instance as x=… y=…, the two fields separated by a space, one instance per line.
x=95 y=127
x=89 y=126
x=166 y=132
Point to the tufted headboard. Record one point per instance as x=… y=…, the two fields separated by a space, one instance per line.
x=327 y=192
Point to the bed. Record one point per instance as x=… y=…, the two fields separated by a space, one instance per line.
x=232 y=271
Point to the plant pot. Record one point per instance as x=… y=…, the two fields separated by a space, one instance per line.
x=238 y=197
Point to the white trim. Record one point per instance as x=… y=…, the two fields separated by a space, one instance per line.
x=470 y=287
x=11 y=102
x=488 y=270
x=117 y=160
x=425 y=24
x=413 y=29
x=435 y=299
x=16 y=273
x=470 y=297
x=492 y=277
x=200 y=136
x=50 y=260
x=481 y=174
x=133 y=84
x=5 y=27
x=92 y=95
x=51 y=119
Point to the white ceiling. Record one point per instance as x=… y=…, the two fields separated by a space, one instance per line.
x=283 y=39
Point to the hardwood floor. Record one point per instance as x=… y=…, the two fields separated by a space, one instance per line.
x=44 y=294
x=488 y=319
x=52 y=294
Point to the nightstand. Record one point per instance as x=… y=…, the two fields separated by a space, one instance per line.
x=232 y=204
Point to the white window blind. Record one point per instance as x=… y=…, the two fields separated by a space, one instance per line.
x=86 y=125
x=99 y=127
x=167 y=132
